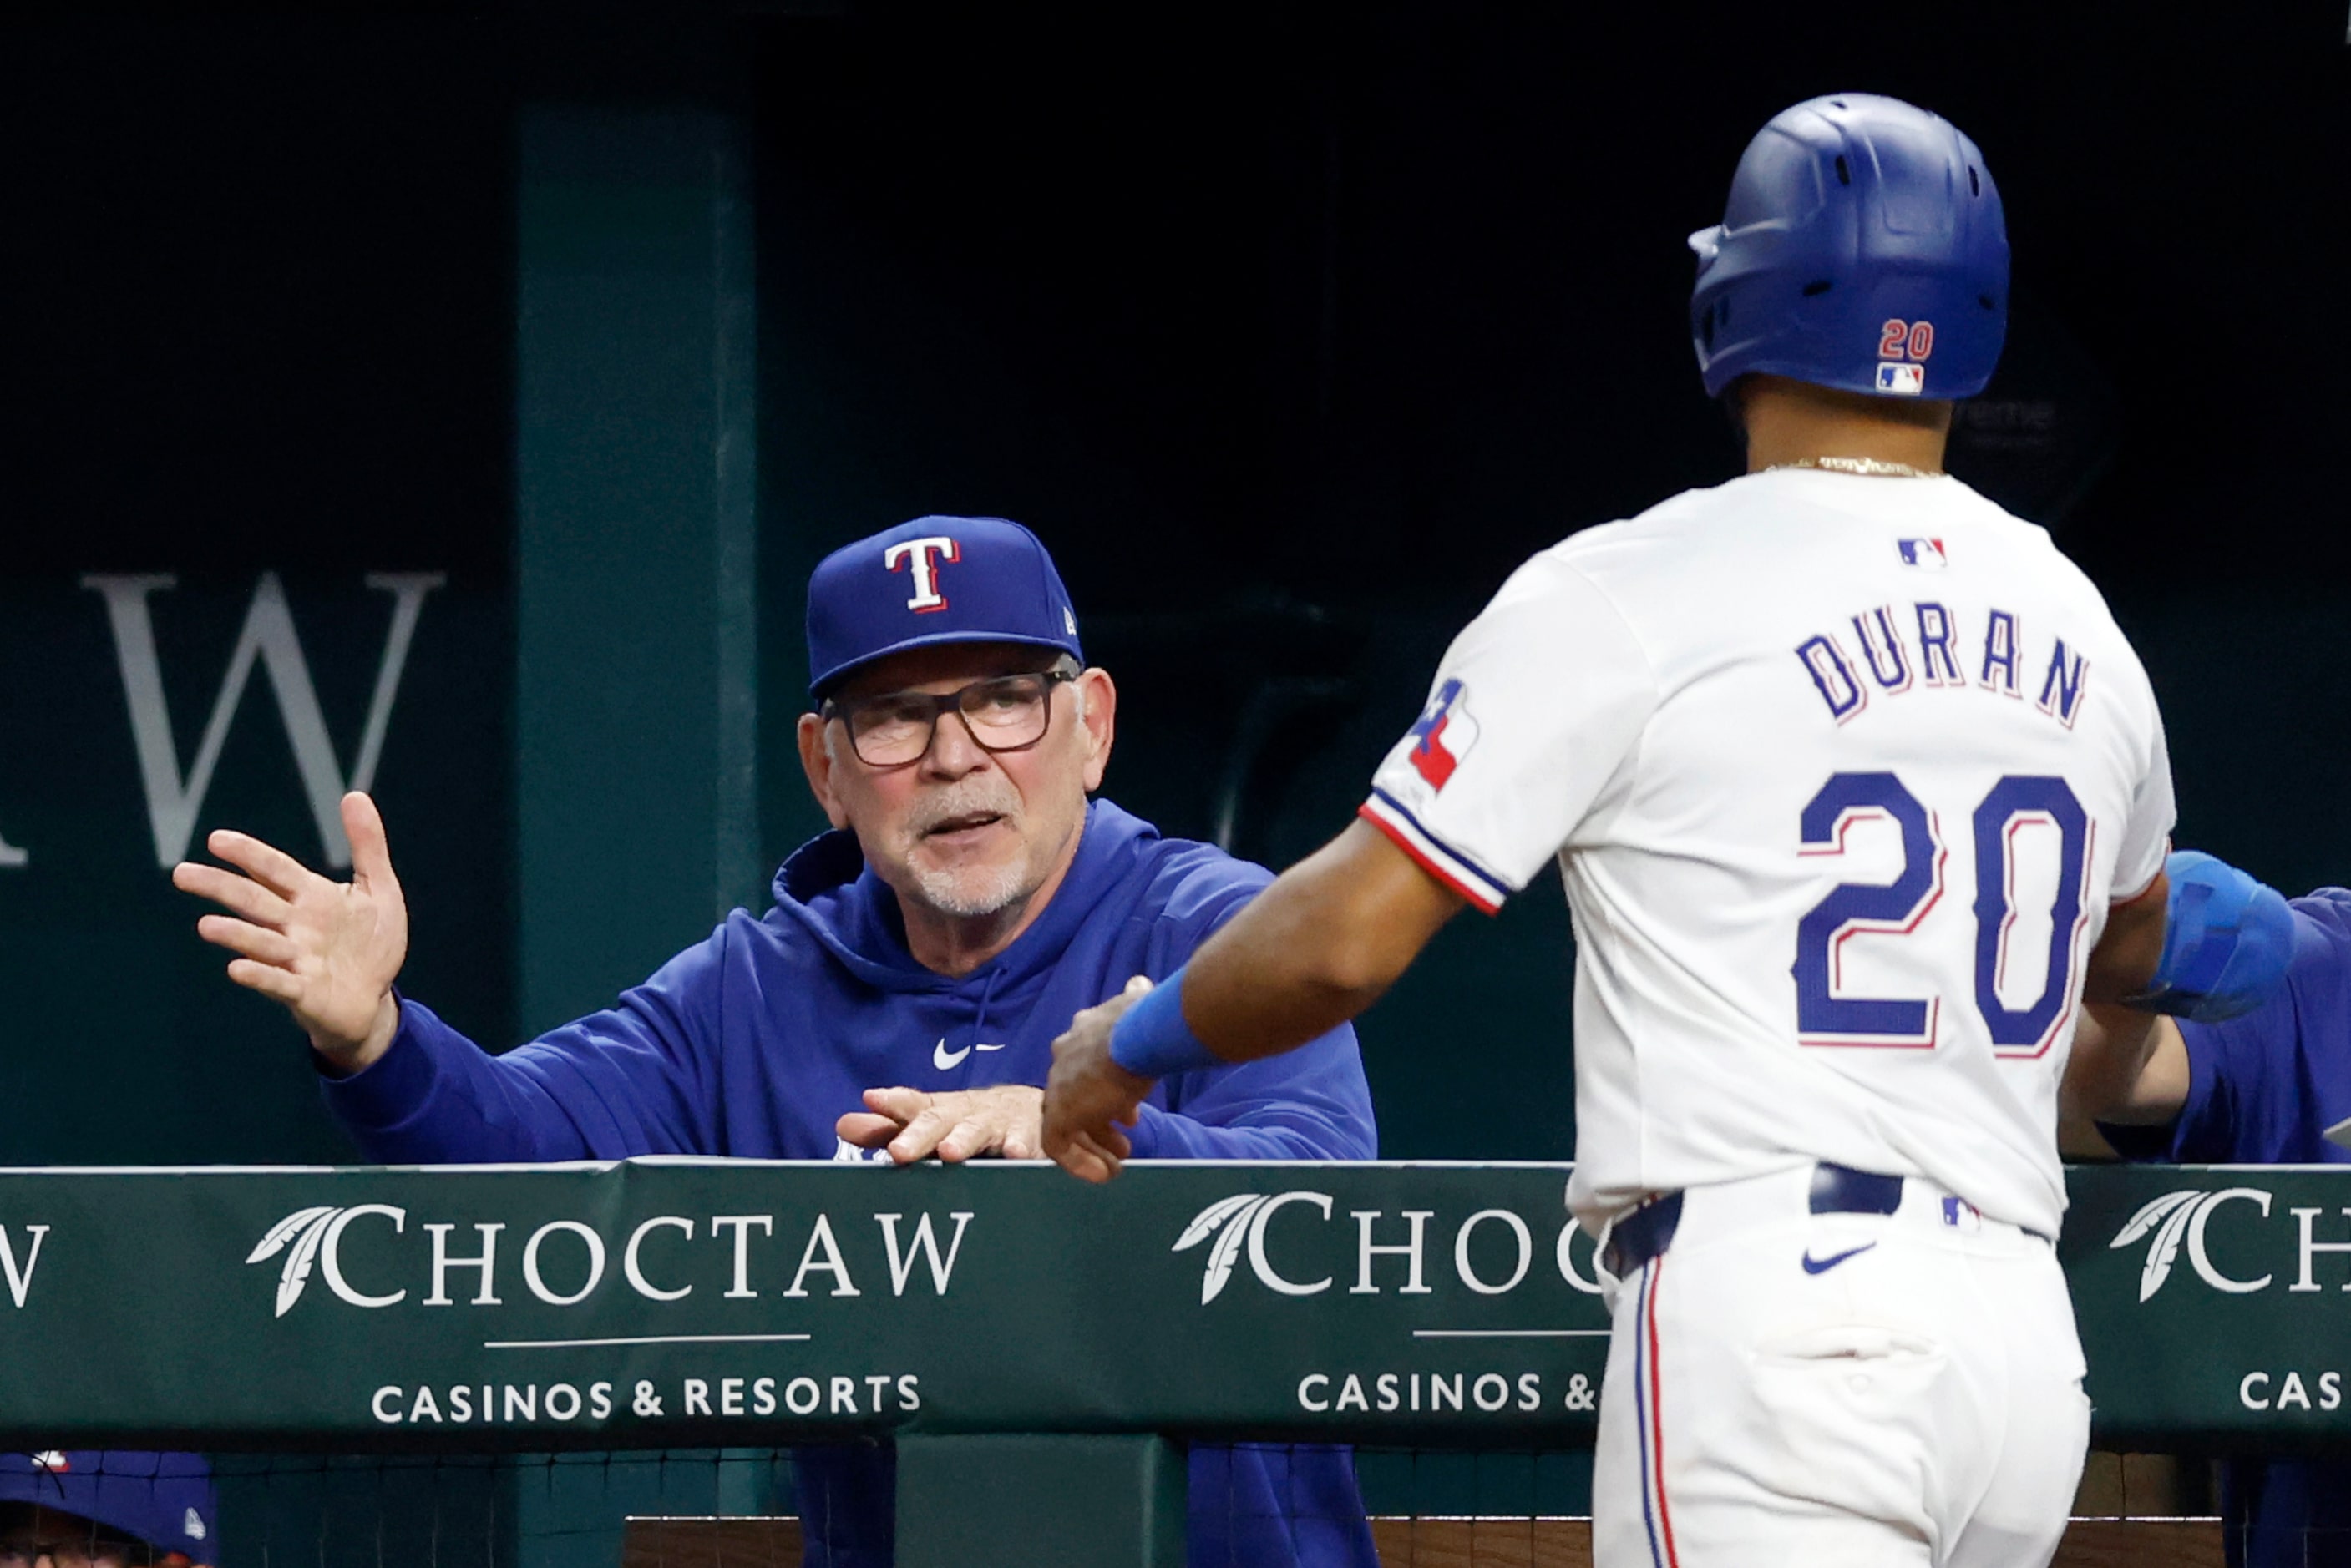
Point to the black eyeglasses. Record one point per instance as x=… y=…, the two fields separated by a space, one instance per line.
x=1006 y=713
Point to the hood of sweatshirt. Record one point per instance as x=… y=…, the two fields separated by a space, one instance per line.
x=828 y=889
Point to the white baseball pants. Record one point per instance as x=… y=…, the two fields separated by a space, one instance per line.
x=1794 y=1390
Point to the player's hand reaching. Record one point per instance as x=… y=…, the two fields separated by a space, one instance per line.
x=911 y=1124
x=1089 y=1097
x=329 y=950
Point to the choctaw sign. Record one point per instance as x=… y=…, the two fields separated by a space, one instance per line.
x=660 y=1301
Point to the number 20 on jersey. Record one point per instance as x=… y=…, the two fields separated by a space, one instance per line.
x=1827 y=1017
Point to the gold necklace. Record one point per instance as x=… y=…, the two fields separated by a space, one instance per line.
x=1865 y=465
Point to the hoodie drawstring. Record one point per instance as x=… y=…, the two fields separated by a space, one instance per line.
x=986 y=995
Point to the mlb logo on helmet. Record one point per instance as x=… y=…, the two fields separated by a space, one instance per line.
x=1444 y=734
x=1855 y=223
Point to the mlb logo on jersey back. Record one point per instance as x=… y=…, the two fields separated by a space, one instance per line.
x=1925 y=554
x=1899 y=379
x=1444 y=733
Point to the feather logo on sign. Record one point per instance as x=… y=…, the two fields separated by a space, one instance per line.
x=1239 y=1222
x=305 y=1229
x=2179 y=1219
x=1232 y=1215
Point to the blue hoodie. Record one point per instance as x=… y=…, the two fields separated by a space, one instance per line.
x=755 y=1042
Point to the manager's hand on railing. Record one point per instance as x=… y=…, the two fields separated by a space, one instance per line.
x=954 y=1125
x=329 y=950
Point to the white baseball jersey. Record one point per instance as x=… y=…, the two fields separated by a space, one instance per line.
x=1844 y=773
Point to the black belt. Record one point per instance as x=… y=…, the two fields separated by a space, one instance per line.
x=1645 y=1233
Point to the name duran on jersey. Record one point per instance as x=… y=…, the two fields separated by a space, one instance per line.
x=1903 y=652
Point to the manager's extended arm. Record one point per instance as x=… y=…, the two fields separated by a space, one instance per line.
x=409 y=1088
x=619 y=1083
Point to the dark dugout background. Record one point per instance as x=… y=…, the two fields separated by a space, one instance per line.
x=1292 y=328
x=1294 y=333
x=255 y=270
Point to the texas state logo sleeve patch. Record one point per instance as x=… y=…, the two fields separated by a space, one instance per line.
x=1443 y=734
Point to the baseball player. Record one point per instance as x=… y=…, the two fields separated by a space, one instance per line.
x=1859 y=796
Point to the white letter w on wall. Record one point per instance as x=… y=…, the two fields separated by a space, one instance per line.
x=20 y=1282
x=268 y=637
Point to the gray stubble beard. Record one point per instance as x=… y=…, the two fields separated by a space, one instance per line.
x=953 y=893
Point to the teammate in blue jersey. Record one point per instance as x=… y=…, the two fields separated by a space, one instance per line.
x=900 y=998
x=2258 y=1089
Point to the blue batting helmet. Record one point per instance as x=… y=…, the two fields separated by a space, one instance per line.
x=1862 y=248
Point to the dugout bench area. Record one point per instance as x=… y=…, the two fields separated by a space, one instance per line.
x=1037 y=1350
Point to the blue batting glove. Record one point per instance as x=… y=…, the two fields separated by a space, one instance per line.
x=2227 y=941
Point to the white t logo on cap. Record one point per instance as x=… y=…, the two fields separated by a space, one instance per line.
x=923 y=557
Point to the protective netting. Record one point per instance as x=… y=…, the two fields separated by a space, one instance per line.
x=741 y=1508
x=539 y=1510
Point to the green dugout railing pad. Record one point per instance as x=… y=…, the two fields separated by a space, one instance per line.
x=675 y=1301
x=2212 y=1301
x=659 y=1302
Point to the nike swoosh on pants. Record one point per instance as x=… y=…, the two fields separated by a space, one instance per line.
x=1823 y=1265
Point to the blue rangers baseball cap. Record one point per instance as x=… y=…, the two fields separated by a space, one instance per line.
x=164 y=1500
x=933 y=580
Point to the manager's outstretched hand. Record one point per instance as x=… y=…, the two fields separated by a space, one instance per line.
x=1088 y=1095
x=329 y=950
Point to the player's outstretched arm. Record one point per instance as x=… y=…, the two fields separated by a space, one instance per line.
x=1311 y=951
x=1315 y=948
x=329 y=950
